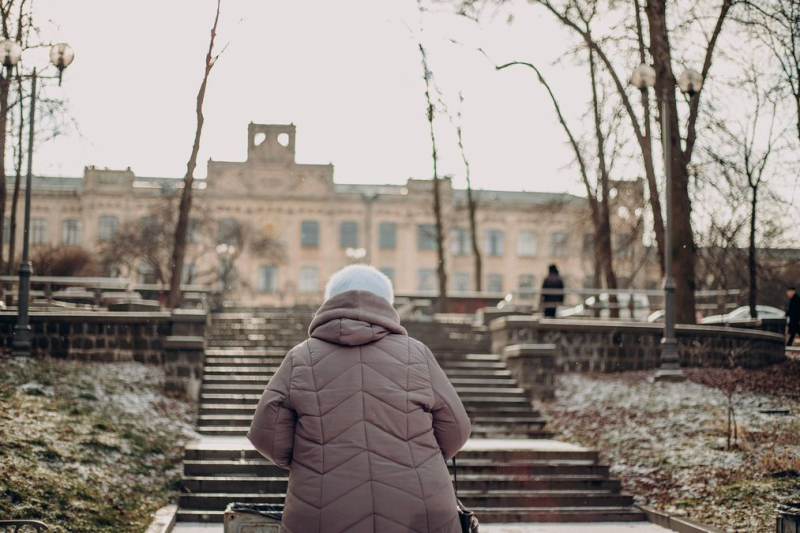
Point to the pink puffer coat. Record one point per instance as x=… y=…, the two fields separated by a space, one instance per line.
x=365 y=419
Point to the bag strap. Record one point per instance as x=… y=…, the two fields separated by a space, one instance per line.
x=455 y=476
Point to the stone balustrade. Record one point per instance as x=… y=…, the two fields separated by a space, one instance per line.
x=609 y=346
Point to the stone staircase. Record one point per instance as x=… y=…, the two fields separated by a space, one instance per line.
x=508 y=472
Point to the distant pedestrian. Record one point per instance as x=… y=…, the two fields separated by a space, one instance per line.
x=550 y=302
x=364 y=419
x=792 y=315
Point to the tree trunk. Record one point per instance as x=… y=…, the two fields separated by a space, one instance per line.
x=683 y=247
x=184 y=210
x=606 y=250
x=441 y=272
x=17 y=179
x=647 y=150
x=751 y=256
x=5 y=83
x=472 y=207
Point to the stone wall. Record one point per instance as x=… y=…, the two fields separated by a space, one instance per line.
x=175 y=340
x=605 y=346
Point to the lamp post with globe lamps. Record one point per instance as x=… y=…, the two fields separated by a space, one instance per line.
x=690 y=82
x=61 y=56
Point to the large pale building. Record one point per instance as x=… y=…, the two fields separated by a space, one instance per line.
x=274 y=229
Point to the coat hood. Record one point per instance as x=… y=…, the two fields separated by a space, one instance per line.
x=355 y=317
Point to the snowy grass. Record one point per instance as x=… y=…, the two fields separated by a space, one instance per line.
x=667 y=442
x=88 y=447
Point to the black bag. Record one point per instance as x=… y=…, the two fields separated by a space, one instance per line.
x=468 y=520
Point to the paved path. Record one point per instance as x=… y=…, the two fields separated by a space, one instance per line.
x=609 y=527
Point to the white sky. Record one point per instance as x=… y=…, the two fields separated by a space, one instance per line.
x=348 y=74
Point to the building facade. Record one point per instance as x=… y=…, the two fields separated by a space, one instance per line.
x=271 y=230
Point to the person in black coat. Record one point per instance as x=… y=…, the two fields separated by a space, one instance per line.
x=792 y=315
x=551 y=301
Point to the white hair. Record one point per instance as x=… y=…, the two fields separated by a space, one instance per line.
x=360 y=277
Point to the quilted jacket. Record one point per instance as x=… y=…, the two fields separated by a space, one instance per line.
x=364 y=419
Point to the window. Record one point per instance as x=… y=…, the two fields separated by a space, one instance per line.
x=426 y=279
x=526 y=247
x=145 y=274
x=623 y=245
x=107 y=227
x=387 y=235
x=494 y=242
x=389 y=273
x=494 y=283
x=267 y=278
x=71 y=232
x=38 y=231
x=526 y=285
x=461 y=282
x=588 y=244
x=193 y=235
x=309 y=234
x=228 y=232
x=7 y=231
x=309 y=279
x=461 y=242
x=426 y=237
x=558 y=244
x=148 y=226
x=189 y=274
x=348 y=234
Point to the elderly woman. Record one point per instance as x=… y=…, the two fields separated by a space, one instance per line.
x=364 y=418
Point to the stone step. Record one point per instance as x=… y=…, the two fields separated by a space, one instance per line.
x=283 y=346
x=470 y=486
x=239 y=427
x=213 y=394
x=264 y=468
x=523 y=456
x=486 y=515
x=252 y=370
x=476 y=373
x=242 y=467
x=524 y=501
x=242 y=361
x=213 y=351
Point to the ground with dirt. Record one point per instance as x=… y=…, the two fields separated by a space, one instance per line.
x=88 y=447
x=719 y=447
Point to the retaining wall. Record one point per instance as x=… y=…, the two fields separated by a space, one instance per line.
x=605 y=346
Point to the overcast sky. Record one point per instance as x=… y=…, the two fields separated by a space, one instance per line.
x=348 y=74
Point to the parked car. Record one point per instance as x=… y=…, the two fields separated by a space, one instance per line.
x=600 y=306
x=743 y=314
x=657 y=317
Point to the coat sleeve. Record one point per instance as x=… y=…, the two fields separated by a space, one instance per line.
x=451 y=425
x=272 y=429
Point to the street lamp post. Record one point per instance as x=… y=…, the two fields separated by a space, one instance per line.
x=644 y=77
x=61 y=56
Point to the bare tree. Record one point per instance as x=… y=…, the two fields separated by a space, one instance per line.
x=774 y=23
x=17 y=179
x=184 y=210
x=441 y=272
x=471 y=205
x=743 y=156
x=15 y=20
x=568 y=13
